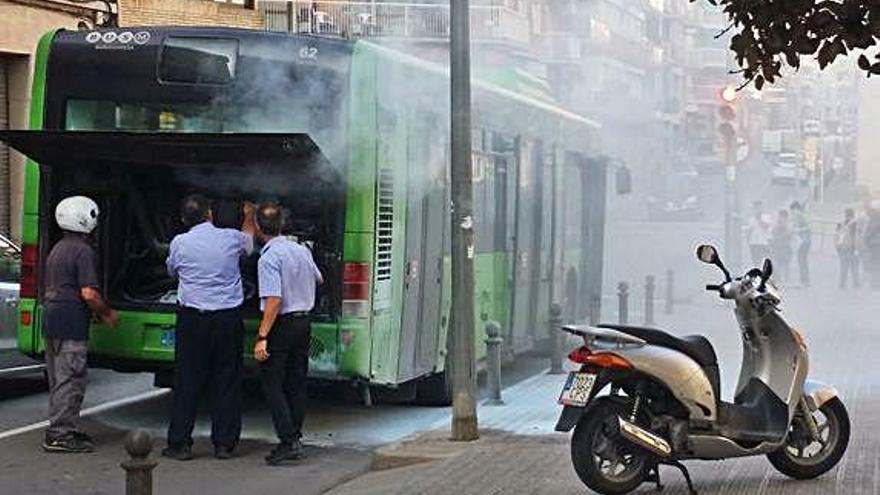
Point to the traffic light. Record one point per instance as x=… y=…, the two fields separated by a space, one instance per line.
x=727 y=114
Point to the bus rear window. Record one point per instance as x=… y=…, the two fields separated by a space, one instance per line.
x=198 y=60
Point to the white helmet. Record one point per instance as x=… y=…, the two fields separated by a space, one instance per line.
x=77 y=214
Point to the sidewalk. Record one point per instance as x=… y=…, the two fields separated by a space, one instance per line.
x=26 y=469
x=519 y=452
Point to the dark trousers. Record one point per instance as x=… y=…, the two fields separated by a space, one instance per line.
x=208 y=350
x=803 y=257
x=284 y=375
x=759 y=252
x=849 y=265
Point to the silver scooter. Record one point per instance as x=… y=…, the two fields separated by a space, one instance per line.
x=644 y=398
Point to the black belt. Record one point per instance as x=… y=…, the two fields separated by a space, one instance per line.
x=296 y=314
x=207 y=311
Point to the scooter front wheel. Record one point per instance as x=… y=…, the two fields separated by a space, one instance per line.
x=603 y=461
x=804 y=457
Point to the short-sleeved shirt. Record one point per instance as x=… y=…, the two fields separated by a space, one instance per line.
x=287 y=270
x=71 y=266
x=205 y=262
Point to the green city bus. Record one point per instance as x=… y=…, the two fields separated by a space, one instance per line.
x=353 y=139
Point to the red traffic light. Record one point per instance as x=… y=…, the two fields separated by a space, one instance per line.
x=728 y=94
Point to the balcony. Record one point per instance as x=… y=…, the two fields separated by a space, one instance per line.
x=496 y=23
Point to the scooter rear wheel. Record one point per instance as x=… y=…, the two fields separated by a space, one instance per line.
x=603 y=461
x=805 y=458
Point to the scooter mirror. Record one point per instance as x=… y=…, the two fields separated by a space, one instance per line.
x=767 y=269
x=707 y=254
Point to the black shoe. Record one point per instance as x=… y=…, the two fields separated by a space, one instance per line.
x=67 y=444
x=84 y=437
x=223 y=453
x=285 y=452
x=181 y=453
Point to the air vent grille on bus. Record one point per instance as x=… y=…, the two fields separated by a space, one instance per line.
x=384 y=224
x=316 y=348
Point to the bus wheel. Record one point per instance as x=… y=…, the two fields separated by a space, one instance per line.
x=434 y=390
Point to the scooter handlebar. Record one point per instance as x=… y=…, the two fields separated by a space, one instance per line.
x=714 y=287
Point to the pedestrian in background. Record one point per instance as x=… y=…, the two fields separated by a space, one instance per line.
x=758 y=234
x=872 y=244
x=780 y=243
x=72 y=295
x=846 y=242
x=288 y=278
x=210 y=332
x=863 y=218
x=803 y=234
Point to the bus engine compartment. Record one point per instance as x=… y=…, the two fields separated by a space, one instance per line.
x=139 y=181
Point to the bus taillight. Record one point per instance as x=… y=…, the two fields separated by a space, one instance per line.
x=356 y=290
x=28 y=286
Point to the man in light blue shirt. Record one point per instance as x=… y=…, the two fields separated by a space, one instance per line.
x=210 y=331
x=288 y=279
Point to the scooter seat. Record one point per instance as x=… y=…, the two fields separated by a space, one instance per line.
x=696 y=347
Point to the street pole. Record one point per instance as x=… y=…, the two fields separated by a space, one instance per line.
x=732 y=237
x=463 y=364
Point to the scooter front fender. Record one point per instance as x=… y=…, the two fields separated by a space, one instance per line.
x=817 y=394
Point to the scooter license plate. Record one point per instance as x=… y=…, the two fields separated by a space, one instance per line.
x=576 y=391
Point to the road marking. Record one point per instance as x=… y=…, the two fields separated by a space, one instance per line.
x=113 y=404
x=22 y=369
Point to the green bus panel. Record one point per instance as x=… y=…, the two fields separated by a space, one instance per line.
x=383 y=123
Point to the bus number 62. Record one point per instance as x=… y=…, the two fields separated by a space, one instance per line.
x=308 y=52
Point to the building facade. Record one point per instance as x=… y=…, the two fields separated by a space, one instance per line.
x=22 y=23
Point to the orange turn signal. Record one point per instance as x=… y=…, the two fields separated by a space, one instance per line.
x=608 y=360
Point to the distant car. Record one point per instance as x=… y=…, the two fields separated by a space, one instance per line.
x=674 y=210
x=788 y=170
x=676 y=196
x=10 y=256
x=12 y=362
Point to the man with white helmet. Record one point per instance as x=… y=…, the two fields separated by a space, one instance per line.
x=72 y=295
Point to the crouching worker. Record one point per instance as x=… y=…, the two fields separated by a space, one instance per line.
x=72 y=295
x=288 y=278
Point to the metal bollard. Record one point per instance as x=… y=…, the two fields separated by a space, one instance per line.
x=556 y=339
x=650 y=288
x=493 y=360
x=622 y=303
x=139 y=469
x=670 y=292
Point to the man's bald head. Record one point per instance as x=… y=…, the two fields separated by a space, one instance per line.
x=270 y=219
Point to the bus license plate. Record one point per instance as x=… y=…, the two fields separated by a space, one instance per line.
x=167 y=338
x=576 y=391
